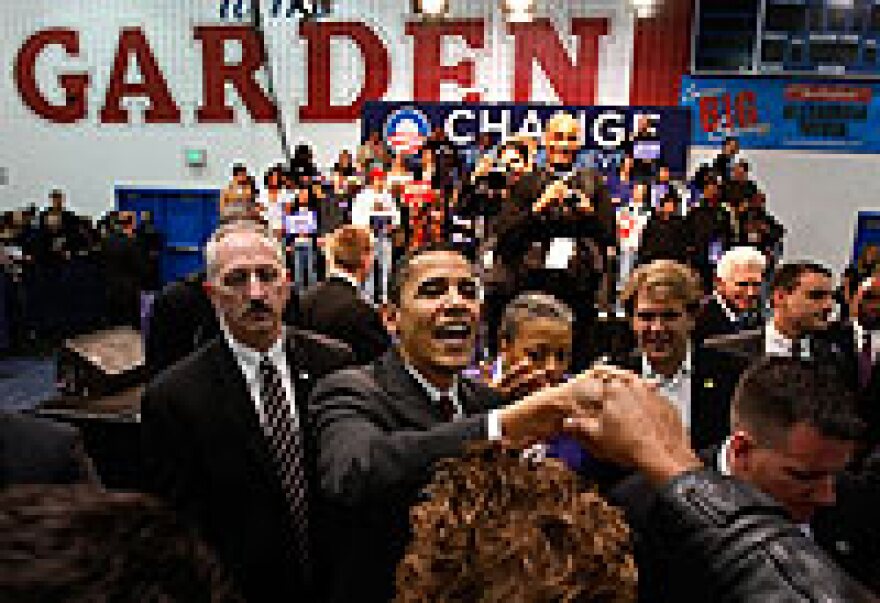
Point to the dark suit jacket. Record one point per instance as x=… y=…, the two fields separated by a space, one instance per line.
x=334 y=308
x=206 y=454
x=749 y=346
x=849 y=539
x=843 y=336
x=713 y=380
x=40 y=451
x=712 y=321
x=378 y=438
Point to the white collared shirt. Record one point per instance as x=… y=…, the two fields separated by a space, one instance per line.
x=860 y=340
x=248 y=360
x=493 y=426
x=436 y=394
x=677 y=388
x=723 y=463
x=731 y=315
x=777 y=344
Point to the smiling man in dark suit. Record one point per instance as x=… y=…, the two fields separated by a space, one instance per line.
x=662 y=298
x=336 y=307
x=380 y=428
x=224 y=430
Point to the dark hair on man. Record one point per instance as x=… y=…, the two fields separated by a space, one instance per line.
x=238 y=169
x=530 y=306
x=776 y=392
x=275 y=169
x=81 y=544
x=498 y=527
x=403 y=268
x=789 y=274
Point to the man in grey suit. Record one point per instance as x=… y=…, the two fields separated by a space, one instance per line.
x=381 y=427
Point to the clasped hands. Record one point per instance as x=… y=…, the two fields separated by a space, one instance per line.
x=556 y=194
x=618 y=417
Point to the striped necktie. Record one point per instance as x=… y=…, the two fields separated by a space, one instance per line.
x=286 y=444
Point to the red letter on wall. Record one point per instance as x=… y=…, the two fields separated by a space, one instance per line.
x=376 y=70
x=74 y=84
x=216 y=72
x=661 y=51
x=428 y=72
x=574 y=82
x=162 y=109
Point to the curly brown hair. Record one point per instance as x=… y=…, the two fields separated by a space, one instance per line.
x=497 y=527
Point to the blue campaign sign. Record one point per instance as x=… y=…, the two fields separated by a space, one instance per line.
x=605 y=129
x=785 y=113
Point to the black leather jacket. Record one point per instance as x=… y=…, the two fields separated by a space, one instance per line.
x=747 y=547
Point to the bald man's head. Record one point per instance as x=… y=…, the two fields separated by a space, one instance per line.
x=562 y=139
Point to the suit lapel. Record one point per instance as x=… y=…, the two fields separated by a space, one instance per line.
x=407 y=397
x=237 y=407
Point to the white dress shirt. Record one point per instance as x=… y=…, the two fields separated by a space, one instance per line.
x=370 y=202
x=493 y=426
x=677 y=388
x=777 y=344
x=248 y=360
x=859 y=331
x=723 y=462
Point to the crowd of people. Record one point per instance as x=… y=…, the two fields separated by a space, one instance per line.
x=64 y=274
x=435 y=377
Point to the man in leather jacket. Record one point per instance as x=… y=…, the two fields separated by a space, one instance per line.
x=747 y=548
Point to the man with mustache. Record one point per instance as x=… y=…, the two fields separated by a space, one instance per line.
x=661 y=299
x=801 y=295
x=380 y=428
x=225 y=437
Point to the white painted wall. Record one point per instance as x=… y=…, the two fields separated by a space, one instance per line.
x=87 y=158
x=817 y=196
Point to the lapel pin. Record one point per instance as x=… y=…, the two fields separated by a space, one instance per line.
x=304 y=376
x=708 y=384
x=843 y=547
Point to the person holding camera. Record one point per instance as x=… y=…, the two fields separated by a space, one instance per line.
x=558 y=232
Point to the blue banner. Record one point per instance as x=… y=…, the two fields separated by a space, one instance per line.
x=785 y=113
x=604 y=129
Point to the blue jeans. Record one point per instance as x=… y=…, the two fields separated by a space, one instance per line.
x=376 y=286
x=304 y=273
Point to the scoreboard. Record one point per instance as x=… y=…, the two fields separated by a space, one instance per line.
x=787 y=37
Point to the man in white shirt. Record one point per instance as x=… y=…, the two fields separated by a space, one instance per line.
x=375 y=208
x=661 y=299
x=224 y=430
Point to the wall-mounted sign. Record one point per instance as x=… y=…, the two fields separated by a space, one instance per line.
x=785 y=113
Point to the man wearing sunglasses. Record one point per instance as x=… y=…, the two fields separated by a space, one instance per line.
x=224 y=430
